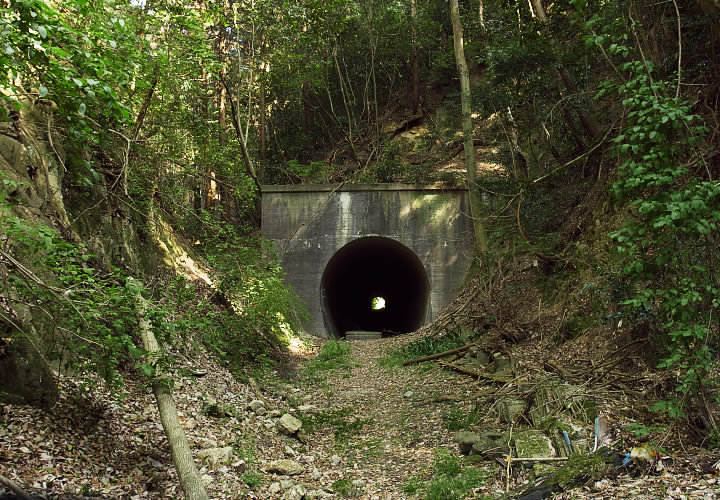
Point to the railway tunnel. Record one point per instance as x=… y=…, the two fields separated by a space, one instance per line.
x=374 y=283
x=370 y=257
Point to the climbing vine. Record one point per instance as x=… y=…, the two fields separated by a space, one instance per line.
x=669 y=243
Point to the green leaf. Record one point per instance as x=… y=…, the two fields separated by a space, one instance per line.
x=82 y=108
x=42 y=90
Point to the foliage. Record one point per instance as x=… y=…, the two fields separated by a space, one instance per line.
x=79 y=55
x=332 y=356
x=668 y=244
x=457 y=419
x=344 y=424
x=451 y=479
x=87 y=314
x=451 y=338
x=244 y=449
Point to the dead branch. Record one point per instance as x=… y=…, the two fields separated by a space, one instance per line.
x=15 y=488
x=439 y=355
x=475 y=373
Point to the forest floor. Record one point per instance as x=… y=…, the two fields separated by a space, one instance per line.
x=371 y=429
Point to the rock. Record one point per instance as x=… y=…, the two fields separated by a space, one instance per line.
x=482 y=357
x=258 y=407
x=408 y=394
x=286 y=484
x=501 y=365
x=284 y=467
x=466 y=440
x=25 y=377
x=302 y=437
x=318 y=494
x=275 y=488
x=473 y=459
x=274 y=413
x=208 y=443
x=511 y=409
x=316 y=474
x=296 y=492
x=533 y=444
x=358 y=483
x=287 y=424
x=553 y=397
x=491 y=445
x=216 y=456
x=335 y=460
x=289 y=452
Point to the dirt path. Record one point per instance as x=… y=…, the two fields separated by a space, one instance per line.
x=371 y=429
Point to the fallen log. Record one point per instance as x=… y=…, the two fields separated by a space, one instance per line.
x=439 y=355
x=475 y=373
x=15 y=488
x=179 y=447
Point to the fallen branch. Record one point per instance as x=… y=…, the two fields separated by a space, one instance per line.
x=474 y=373
x=538 y=459
x=179 y=446
x=15 y=488
x=439 y=355
x=458 y=397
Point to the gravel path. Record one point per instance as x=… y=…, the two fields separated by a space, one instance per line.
x=397 y=436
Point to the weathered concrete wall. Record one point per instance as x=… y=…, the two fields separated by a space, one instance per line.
x=310 y=223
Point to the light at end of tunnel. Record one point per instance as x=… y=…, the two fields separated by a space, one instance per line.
x=377 y=303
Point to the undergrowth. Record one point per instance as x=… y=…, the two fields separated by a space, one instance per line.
x=344 y=426
x=451 y=479
x=451 y=338
x=334 y=355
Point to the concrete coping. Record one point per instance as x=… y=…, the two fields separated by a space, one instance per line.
x=362 y=335
x=342 y=187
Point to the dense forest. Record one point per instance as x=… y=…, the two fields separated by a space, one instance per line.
x=135 y=138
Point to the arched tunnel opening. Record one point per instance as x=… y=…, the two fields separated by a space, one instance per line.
x=374 y=284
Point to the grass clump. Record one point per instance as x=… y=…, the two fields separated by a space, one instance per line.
x=345 y=489
x=451 y=479
x=333 y=356
x=458 y=419
x=342 y=421
x=451 y=338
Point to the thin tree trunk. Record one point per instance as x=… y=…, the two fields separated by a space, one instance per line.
x=470 y=165
x=222 y=114
x=351 y=140
x=179 y=447
x=591 y=126
x=249 y=167
x=263 y=136
x=414 y=78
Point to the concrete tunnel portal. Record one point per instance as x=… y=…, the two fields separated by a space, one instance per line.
x=374 y=283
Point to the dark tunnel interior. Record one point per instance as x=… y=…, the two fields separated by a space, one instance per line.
x=370 y=268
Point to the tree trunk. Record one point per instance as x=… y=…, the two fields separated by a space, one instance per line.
x=308 y=116
x=179 y=446
x=481 y=248
x=415 y=78
x=262 y=126
x=249 y=167
x=591 y=126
